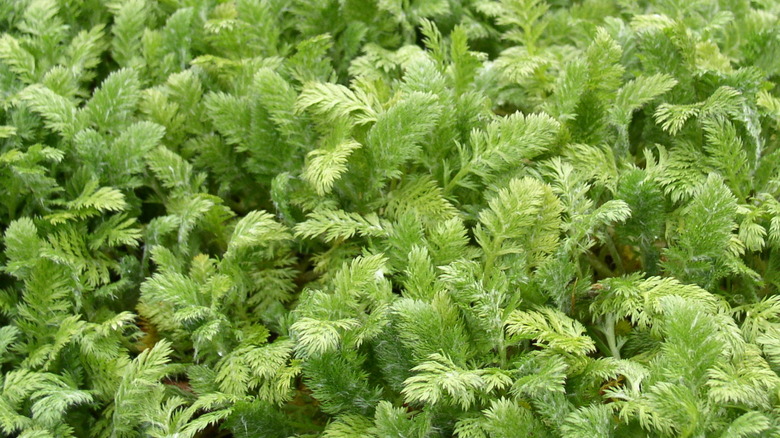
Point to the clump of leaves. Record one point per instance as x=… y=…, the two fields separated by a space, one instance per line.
x=428 y=218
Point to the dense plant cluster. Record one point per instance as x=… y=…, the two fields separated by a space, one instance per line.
x=390 y=218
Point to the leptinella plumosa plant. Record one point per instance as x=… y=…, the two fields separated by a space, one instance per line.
x=386 y=218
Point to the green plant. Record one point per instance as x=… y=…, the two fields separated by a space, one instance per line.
x=417 y=218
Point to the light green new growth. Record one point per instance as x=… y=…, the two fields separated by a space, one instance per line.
x=386 y=218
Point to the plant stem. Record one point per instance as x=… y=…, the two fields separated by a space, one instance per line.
x=615 y=255
x=458 y=176
x=609 y=332
x=599 y=266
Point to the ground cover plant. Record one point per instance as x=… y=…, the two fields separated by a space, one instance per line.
x=389 y=218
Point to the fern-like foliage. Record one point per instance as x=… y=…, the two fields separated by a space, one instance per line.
x=381 y=218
